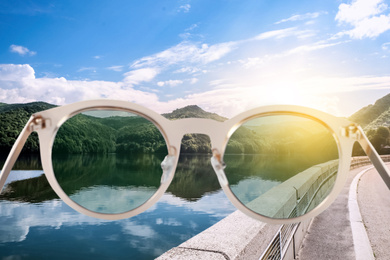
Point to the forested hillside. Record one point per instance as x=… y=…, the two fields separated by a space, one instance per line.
x=375 y=120
x=12 y=120
x=88 y=134
x=95 y=134
x=369 y=114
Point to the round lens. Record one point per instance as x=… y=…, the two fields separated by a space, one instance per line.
x=108 y=161
x=281 y=166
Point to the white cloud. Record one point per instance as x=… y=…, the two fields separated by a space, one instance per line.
x=170 y=83
x=115 y=68
x=300 y=17
x=16 y=72
x=190 y=57
x=186 y=52
x=312 y=47
x=370 y=27
x=386 y=46
x=185 y=36
x=226 y=96
x=277 y=34
x=187 y=32
x=194 y=80
x=19 y=84
x=359 y=10
x=97 y=57
x=134 y=77
x=366 y=18
x=192 y=27
x=185 y=8
x=92 y=69
x=283 y=33
x=251 y=62
x=190 y=70
x=21 y=50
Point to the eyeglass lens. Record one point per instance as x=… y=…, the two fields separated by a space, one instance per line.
x=108 y=161
x=281 y=166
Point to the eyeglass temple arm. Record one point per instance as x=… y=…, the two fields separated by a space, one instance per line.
x=374 y=157
x=15 y=151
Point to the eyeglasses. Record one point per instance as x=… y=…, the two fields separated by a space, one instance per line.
x=114 y=159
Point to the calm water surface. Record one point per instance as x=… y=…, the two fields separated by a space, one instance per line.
x=35 y=224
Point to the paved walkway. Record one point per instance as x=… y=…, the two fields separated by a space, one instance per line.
x=374 y=204
x=330 y=235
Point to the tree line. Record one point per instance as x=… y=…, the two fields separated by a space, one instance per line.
x=87 y=134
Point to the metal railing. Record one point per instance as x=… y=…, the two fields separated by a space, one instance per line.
x=282 y=239
x=277 y=248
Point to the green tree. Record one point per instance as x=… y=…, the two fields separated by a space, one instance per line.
x=379 y=139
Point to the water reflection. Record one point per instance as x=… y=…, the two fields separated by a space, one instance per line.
x=109 y=183
x=193 y=179
x=251 y=175
x=51 y=228
x=34 y=222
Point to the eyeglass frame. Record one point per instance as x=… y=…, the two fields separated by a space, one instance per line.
x=46 y=123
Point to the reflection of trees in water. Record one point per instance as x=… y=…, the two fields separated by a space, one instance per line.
x=194 y=177
x=25 y=161
x=269 y=167
x=74 y=172
x=33 y=190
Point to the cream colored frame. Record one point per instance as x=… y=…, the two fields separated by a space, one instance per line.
x=47 y=123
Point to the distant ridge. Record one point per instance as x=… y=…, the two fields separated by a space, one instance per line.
x=13 y=118
x=373 y=116
x=193 y=111
x=32 y=107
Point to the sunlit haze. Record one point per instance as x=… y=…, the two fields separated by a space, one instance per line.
x=224 y=56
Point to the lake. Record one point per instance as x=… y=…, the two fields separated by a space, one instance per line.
x=35 y=224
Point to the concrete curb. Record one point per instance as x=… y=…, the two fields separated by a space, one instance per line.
x=235 y=237
x=362 y=245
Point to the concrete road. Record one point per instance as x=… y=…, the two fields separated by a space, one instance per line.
x=374 y=204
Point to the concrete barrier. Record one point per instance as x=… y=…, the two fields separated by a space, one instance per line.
x=280 y=201
x=235 y=237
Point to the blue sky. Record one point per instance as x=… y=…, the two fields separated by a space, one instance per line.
x=226 y=56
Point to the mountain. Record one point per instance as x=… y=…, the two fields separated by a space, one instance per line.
x=373 y=116
x=85 y=133
x=193 y=111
